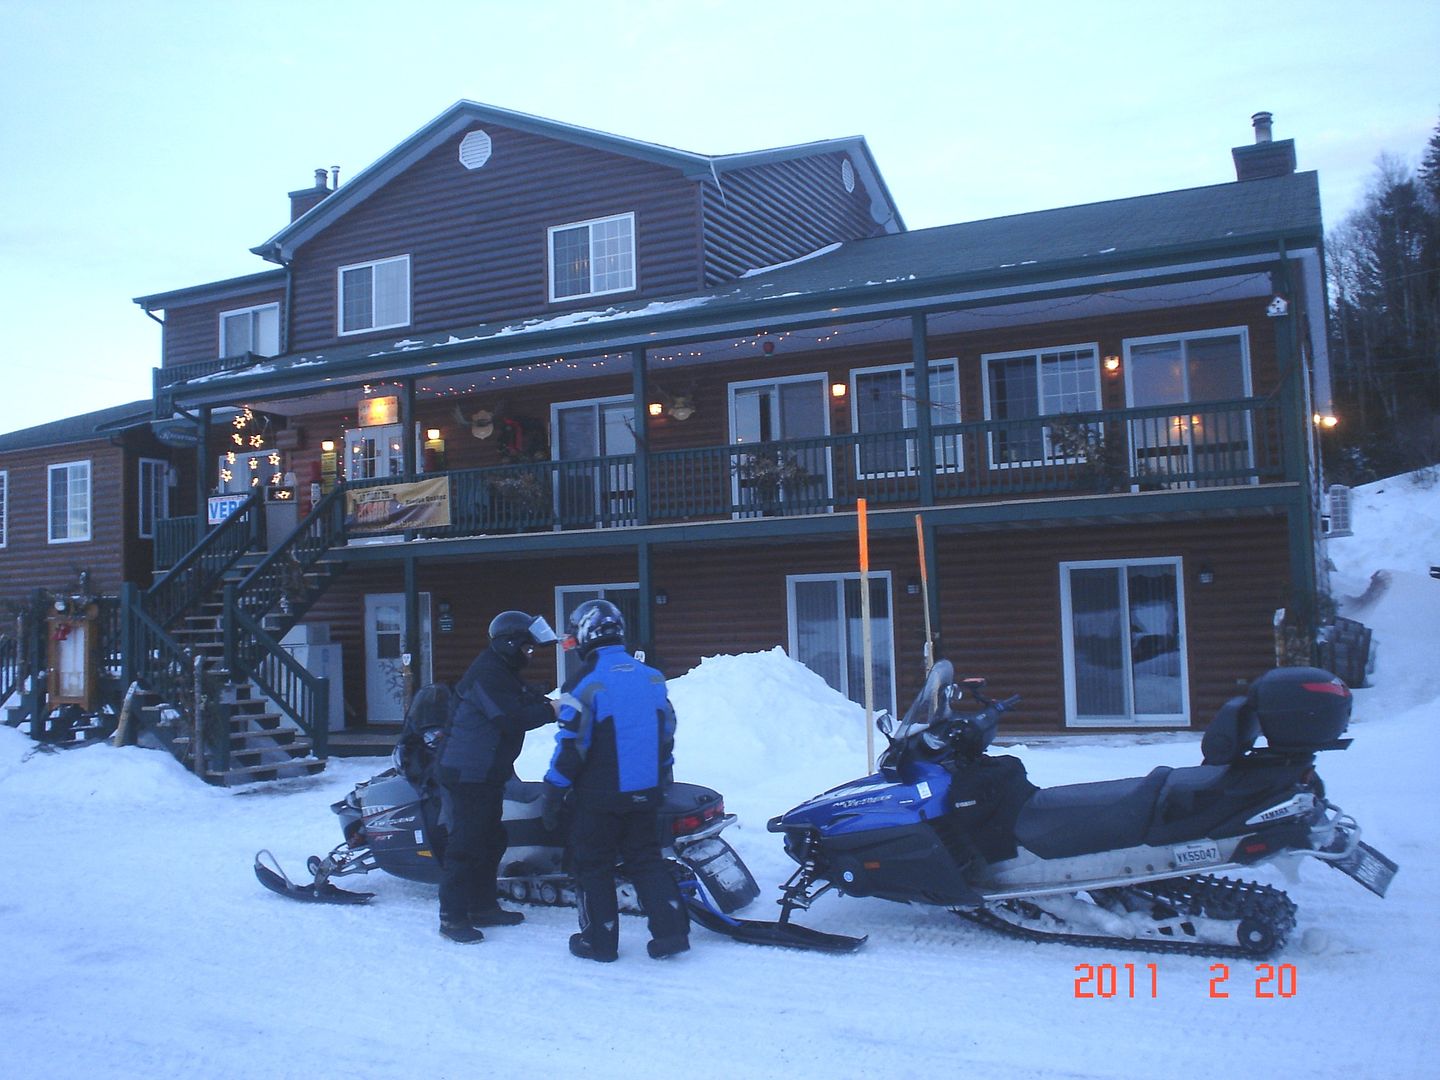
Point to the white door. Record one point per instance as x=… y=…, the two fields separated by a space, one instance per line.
x=774 y=479
x=599 y=437
x=384 y=655
x=374 y=452
x=827 y=633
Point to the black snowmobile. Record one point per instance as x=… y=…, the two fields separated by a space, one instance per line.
x=397 y=822
x=1130 y=863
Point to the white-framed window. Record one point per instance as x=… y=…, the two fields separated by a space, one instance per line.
x=827 y=633
x=625 y=595
x=69 y=502
x=882 y=400
x=379 y=451
x=238 y=471
x=591 y=258
x=154 y=494
x=594 y=428
x=1021 y=388
x=4 y=508
x=252 y=329
x=374 y=295
x=1124 y=643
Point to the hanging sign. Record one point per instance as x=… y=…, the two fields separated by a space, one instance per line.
x=424 y=504
x=379 y=410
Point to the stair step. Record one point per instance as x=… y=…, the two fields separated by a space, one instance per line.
x=251 y=774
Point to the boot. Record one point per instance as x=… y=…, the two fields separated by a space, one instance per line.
x=461 y=933
x=496 y=916
x=583 y=949
x=660 y=948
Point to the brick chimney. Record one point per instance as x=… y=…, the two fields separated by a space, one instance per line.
x=305 y=198
x=1265 y=157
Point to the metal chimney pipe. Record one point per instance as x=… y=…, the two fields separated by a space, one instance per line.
x=1261 y=120
x=335 y=176
x=320 y=179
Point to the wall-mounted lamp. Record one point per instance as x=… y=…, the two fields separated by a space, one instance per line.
x=1112 y=363
x=1206 y=576
x=1325 y=420
x=656 y=409
x=432 y=433
x=328 y=445
x=662 y=597
x=838 y=390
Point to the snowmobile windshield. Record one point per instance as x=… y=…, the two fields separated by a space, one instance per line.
x=928 y=704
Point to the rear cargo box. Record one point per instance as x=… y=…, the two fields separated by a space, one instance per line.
x=1300 y=708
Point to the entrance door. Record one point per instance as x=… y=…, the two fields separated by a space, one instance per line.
x=774 y=479
x=373 y=452
x=624 y=595
x=827 y=633
x=599 y=436
x=384 y=655
x=1180 y=450
x=1124 y=643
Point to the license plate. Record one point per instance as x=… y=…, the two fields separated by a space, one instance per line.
x=1369 y=868
x=1199 y=854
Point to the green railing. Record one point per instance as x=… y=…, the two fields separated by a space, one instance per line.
x=164 y=380
x=278 y=582
x=9 y=667
x=174 y=537
x=195 y=577
x=251 y=652
x=150 y=654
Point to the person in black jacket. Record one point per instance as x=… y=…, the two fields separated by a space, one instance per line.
x=494 y=709
x=613 y=750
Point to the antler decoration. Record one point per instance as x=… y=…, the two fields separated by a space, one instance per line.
x=481 y=422
x=679 y=406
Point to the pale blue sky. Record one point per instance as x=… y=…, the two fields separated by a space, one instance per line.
x=146 y=146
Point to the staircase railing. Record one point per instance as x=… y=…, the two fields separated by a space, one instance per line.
x=278 y=581
x=252 y=652
x=195 y=576
x=150 y=654
x=9 y=666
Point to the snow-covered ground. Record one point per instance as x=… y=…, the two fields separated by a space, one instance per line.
x=135 y=941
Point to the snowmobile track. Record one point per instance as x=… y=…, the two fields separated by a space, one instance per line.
x=1204 y=896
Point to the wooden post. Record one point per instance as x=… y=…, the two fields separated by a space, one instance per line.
x=866 y=649
x=925 y=593
x=197 y=723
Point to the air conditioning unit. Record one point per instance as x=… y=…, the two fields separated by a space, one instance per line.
x=1338 y=519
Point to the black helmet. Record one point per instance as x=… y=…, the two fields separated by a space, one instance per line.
x=513 y=632
x=595 y=623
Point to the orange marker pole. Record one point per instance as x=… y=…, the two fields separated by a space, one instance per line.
x=860 y=511
x=925 y=594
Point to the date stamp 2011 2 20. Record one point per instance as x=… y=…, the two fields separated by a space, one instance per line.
x=1130 y=981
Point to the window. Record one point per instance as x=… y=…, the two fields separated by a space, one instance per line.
x=590 y=258
x=253 y=330
x=375 y=296
x=1022 y=387
x=4 y=508
x=771 y=478
x=596 y=491
x=69 y=513
x=1124 y=643
x=827 y=633
x=154 y=494
x=373 y=452
x=883 y=401
x=624 y=595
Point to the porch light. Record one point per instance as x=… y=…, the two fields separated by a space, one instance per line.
x=838 y=390
x=432 y=433
x=1326 y=420
x=328 y=446
x=1112 y=363
x=655 y=408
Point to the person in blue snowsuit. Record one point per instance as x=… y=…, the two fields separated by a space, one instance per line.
x=494 y=708
x=614 y=759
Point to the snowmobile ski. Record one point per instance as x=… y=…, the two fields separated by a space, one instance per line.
x=317 y=892
x=757 y=932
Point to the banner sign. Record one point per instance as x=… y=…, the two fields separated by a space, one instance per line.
x=220 y=507
x=424 y=504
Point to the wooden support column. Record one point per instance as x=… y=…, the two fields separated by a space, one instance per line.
x=925 y=444
x=202 y=475
x=643 y=636
x=407 y=429
x=1296 y=440
x=411 y=638
x=640 y=395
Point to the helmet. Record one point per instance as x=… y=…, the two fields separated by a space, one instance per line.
x=595 y=623
x=514 y=634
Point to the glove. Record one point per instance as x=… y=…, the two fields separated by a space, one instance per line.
x=550 y=807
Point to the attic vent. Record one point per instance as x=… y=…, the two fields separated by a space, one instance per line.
x=847 y=175
x=475 y=149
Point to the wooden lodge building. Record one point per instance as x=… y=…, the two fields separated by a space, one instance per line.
x=517 y=364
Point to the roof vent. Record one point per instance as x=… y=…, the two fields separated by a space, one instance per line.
x=475 y=149
x=847 y=175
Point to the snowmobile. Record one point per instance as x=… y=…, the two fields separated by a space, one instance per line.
x=397 y=822
x=1132 y=863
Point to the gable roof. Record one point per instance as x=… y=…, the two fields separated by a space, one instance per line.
x=82 y=428
x=1114 y=240
x=465 y=114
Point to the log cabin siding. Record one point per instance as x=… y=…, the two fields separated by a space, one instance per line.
x=773 y=213
x=477 y=239
x=28 y=561
x=192 y=331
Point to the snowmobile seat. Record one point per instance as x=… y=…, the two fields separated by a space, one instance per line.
x=1081 y=819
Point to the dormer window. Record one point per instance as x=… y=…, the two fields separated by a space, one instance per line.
x=375 y=295
x=252 y=329
x=591 y=258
